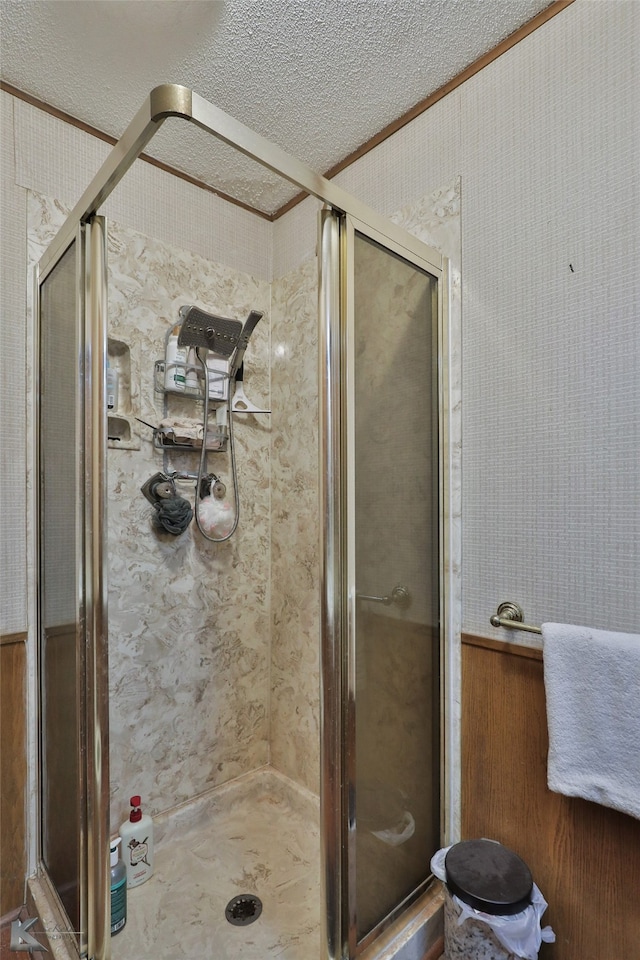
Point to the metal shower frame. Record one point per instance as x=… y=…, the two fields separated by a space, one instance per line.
x=342 y=210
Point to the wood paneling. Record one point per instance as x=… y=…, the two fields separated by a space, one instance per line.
x=13 y=771
x=584 y=857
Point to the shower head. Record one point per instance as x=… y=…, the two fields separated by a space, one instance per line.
x=201 y=329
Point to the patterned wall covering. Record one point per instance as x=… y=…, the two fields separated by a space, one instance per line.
x=568 y=90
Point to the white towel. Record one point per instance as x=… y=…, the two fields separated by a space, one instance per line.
x=592 y=685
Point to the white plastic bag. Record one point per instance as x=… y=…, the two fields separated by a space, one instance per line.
x=519 y=933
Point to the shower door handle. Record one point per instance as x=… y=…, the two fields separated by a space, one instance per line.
x=399 y=595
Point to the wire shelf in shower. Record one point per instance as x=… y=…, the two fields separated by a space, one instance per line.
x=217 y=380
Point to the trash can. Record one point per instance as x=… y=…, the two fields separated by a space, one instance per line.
x=492 y=906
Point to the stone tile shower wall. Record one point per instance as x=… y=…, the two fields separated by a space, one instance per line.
x=295 y=598
x=188 y=620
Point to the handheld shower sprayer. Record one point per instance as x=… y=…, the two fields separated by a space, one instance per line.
x=227 y=339
x=243 y=342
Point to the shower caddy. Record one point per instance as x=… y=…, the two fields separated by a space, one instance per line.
x=227 y=402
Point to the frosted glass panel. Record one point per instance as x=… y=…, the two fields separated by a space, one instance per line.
x=60 y=531
x=396 y=545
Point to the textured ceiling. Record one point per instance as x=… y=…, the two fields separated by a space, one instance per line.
x=316 y=77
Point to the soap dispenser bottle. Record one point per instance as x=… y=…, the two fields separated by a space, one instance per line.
x=118 y=889
x=175 y=364
x=137 y=844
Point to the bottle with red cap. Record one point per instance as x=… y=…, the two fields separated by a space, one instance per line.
x=137 y=844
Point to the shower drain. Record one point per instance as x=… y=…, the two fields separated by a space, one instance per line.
x=243 y=909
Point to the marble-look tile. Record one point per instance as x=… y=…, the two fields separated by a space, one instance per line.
x=257 y=835
x=295 y=598
x=189 y=627
x=188 y=619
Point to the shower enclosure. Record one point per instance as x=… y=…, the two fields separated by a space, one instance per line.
x=383 y=308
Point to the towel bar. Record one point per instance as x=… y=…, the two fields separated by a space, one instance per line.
x=510 y=615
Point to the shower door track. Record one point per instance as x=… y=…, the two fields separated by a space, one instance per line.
x=173 y=100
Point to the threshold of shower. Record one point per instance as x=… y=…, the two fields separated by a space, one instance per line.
x=418 y=934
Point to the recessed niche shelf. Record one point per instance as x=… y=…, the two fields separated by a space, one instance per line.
x=122 y=429
x=119 y=430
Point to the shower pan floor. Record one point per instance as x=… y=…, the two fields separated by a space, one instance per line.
x=257 y=835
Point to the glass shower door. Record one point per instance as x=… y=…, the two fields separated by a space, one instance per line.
x=72 y=641
x=61 y=650
x=394 y=579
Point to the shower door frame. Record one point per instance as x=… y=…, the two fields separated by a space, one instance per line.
x=176 y=101
x=337 y=375
x=89 y=238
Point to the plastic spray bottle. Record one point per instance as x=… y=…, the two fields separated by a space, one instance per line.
x=137 y=844
x=118 y=889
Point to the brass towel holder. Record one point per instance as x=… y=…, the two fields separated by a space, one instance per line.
x=510 y=615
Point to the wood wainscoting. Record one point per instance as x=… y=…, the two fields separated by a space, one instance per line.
x=13 y=770
x=584 y=857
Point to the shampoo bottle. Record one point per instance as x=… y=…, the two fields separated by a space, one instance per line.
x=191 y=379
x=175 y=364
x=118 y=889
x=137 y=844
x=112 y=388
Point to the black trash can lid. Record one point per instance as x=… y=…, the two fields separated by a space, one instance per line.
x=489 y=877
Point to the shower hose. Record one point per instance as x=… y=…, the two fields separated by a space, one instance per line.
x=202 y=466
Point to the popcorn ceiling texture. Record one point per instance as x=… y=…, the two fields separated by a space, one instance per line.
x=285 y=68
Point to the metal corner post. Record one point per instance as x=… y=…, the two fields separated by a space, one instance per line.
x=332 y=614
x=97 y=686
